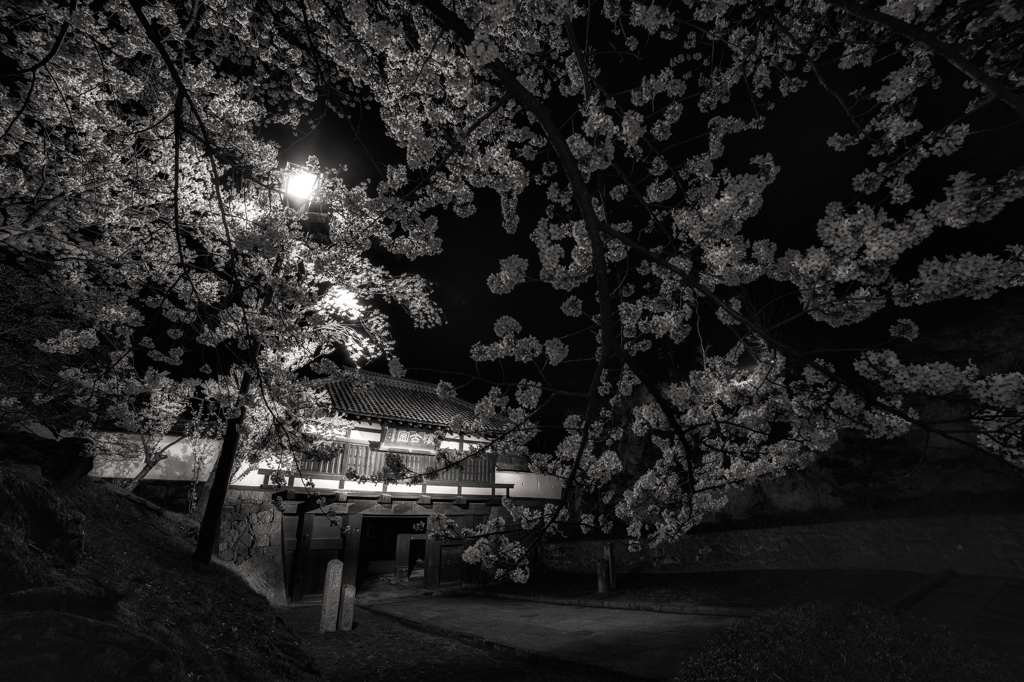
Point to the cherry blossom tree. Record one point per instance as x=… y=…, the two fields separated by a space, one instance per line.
x=617 y=116
x=150 y=406
x=136 y=184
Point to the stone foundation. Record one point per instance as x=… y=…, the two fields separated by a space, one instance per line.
x=980 y=544
x=250 y=542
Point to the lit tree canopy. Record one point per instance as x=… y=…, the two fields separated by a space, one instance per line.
x=634 y=141
x=139 y=194
x=616 y=117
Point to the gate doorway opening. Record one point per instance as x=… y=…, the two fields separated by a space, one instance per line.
x=309 y=541
x=378 y=542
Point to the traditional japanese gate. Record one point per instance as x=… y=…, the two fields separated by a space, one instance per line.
x=310 y=541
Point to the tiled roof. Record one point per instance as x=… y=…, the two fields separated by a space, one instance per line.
x=380 y=396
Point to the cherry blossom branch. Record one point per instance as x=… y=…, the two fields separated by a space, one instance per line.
x=24 y=105
x=56 y=45
x=786 y=350
x=645 y=136
x=542 y=113
x=36 y=217
x=593 y=224
x=178 y=102
x=458 y=145
x=172 y=70
x=806 y=52
x=669 y=412
x=580 y=58
x=592 y=403
x=609 y=346
x=948 y=52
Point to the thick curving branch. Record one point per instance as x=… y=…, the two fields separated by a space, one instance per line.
x=593 y=224
x=172 y=70
x=56 y=44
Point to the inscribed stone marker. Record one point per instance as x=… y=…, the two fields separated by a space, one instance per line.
x=348 y=607
x=332 y=596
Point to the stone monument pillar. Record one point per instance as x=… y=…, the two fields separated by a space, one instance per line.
x=332 y=596
x=348 y=607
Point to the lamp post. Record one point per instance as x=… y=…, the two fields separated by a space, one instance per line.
x=300 y=184
x=299 y=188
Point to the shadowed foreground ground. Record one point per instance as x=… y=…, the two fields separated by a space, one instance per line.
x=379 y=648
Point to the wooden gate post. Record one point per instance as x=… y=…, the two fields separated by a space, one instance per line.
x=300 y=562
x=432 y=565
x=609 y=558
x=355 y=521
x=402 y=550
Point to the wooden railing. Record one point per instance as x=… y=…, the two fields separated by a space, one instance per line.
x=367 y=462
x=518 y=462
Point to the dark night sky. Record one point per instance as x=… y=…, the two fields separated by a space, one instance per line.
x=472 y=249
x=812 y=175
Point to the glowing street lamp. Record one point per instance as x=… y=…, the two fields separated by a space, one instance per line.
x=301 y=184
x=299 y=189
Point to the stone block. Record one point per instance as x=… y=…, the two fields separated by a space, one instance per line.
x=265 y=516
x=329 y=614
x=348 y=607
x=245 y=539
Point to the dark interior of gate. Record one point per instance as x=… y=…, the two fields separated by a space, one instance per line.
x=378 y=545
x=310 y=542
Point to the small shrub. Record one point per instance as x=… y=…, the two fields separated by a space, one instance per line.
x=824 y=643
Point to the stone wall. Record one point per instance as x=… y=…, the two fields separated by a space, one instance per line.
x=250 y=542
x=981 y=544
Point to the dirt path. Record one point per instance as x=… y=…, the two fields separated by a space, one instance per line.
x=381 y=649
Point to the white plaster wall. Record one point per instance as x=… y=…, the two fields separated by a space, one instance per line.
x=396 y=488
x=253 y=478
x=356 y=485
x=528 y=484
x=177 y=466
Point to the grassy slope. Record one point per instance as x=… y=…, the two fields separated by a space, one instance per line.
x=217 y=629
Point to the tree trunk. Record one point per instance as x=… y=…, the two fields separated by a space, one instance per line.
x=210 y=527
x=203 y=498
x=133 y=483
